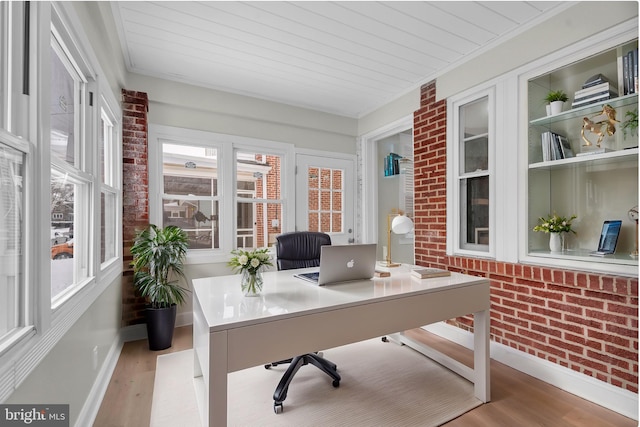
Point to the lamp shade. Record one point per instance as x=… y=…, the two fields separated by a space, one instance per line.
x=401 y=224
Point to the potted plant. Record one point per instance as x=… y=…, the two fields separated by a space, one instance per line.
x=631 y=123
x=158 y=265
x=555 y=225
x=556 y=99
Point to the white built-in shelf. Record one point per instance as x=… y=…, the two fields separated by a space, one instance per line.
x=583 y=255
x=587 y=110
x=619 y=156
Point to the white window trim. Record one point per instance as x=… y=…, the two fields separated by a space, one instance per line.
x=226 y=146
x=453 y=172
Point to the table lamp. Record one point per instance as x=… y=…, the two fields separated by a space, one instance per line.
x=401 y=224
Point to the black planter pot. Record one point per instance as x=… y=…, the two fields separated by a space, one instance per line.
x=160 y=325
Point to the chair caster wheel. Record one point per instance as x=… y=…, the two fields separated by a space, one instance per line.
x=336 y=383
x=385 y=339
x=278 y=408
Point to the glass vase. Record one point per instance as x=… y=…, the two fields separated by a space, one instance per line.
x=251 y=283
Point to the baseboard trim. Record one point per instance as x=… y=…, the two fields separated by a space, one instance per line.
x=91 y=406
x=606 y=395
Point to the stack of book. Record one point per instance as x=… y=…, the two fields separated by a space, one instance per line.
x=596 y=89
x=555 y=147
x=391 y=164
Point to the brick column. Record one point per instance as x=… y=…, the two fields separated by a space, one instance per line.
x=430 y=179
x=135 y=193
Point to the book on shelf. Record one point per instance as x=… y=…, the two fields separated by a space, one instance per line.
x=593 y=94
x=555 y=147
x=594 y=99
x=630 y=72
x=428 y=273
x=597 y=89
x=594 y=81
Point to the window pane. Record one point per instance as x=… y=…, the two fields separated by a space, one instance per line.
x=326 y=203
x=190 y=170
x=101 y=148
x=474 y=218
x=11 y=228
x=64 y=89
x=476 y=154
x=474 y=128
x=258 y=178
x=108 y=232
x=199 y=218
x=62 y=226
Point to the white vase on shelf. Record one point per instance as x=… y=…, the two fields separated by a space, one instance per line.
x=555 y=242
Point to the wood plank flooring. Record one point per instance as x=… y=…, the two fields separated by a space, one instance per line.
x=517 y=398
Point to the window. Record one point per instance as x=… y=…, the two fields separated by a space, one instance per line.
x=109 y=205
x=12 y=291
x=471 y=166
x=259 y=206
x=71 y=184
x=225 y=191
x=190 y=196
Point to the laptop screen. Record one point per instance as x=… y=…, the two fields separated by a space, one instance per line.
x=609 y=236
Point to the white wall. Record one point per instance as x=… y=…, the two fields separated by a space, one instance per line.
x=67 y=374
x=187 y=106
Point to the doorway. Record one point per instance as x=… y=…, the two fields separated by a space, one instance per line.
x=382 y=193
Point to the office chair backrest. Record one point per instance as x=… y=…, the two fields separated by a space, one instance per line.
x=300 y=249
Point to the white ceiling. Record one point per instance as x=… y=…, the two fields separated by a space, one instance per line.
x=346 y=58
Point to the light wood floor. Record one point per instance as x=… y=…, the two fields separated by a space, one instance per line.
x=516 y=398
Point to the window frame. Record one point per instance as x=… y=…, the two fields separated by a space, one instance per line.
x=455 y=175
x=227 y=145
x=112 y=183
x=82 y=171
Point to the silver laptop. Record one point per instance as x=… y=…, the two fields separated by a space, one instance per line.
x=343 y=263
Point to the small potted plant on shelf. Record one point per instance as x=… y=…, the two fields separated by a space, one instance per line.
x=158 y=265
x=556 y=100
x=556 y=226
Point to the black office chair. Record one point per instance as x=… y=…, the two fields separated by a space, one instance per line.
x=300 y=250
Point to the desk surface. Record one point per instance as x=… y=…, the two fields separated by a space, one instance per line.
x=285 y=296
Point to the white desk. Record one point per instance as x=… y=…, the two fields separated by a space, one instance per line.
x=291 y=317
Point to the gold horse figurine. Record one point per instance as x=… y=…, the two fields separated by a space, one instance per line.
x=602 y=124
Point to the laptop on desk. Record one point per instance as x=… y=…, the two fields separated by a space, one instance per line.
x=343 y=263
x=608 y=238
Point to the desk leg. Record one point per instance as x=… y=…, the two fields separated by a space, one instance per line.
x=481 y=357
x=218 y=357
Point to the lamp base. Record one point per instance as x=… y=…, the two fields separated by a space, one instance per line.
x=389 y=264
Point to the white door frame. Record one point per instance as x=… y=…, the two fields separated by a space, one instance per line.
x=369 y=196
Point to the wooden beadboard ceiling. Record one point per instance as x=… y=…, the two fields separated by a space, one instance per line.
x=345 y=58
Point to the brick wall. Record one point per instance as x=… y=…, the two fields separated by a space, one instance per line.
x=586 y=322
x=135 y=193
